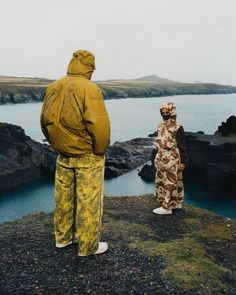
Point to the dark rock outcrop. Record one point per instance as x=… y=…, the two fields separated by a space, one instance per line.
x=212 y=162
x=119 y=90
x=122 y=157
x=227 y=128
x=21 y=95
x=22 y=159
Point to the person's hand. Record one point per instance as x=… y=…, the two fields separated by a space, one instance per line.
x=181 y=166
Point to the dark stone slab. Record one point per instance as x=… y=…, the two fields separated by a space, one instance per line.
x=22 y=160
x=122 y=157
x=212 y=162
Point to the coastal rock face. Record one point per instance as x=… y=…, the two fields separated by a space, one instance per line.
x=212 y=162
x=22 y=159
x=167 y=89
x=20 y=89
x=21 y=96
x=122 y=157
x=227 y=128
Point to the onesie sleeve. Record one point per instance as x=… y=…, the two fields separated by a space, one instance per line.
x=182 y=145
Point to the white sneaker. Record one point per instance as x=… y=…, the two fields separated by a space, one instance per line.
x=162 y=211
x=58 y=245
x=102 y=248
x=179 y=206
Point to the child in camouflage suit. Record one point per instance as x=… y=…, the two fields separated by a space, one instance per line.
x=170 y=161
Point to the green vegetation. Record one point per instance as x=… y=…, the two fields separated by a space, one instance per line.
x=230 y=138
x=187 y=265
x=191 y=250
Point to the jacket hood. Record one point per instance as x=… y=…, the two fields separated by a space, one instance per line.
x=82 y=63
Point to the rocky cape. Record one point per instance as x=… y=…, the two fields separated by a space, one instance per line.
x=22 y=159
x=22 y=90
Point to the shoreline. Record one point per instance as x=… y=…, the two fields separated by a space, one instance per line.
x=30 y=101
x=22 y=90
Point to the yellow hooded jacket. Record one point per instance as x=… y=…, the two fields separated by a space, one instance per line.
x=74 y=118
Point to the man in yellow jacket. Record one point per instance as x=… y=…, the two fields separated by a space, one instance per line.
x=75 y=122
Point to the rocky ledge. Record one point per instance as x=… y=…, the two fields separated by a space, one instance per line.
x=22 y=159
x=191 y=252
x=212 y=158
x=212 y=162
x=122 y=157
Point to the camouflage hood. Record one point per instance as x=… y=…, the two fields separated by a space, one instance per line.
x=168 y=109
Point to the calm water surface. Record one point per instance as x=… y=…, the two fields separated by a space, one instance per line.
x=130 y=118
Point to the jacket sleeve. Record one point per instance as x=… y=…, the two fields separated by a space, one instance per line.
x=182 y=145
x=97 y=121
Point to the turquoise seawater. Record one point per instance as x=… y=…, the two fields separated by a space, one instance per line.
x=130 y=118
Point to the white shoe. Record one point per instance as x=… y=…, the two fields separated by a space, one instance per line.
x=179 y=206
x=162 y=211
x=102 y=248
x=58 y=245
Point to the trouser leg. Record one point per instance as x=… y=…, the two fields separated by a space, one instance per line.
x=160 y=187
x=167 y=188
x=64 y=204
x=89 y=190
x=180 y=182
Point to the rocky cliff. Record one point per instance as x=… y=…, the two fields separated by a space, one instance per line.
x=122 y=157
x=212 y=159
x=116 y=90
x=212 y=162
x=227 y=128
x=19 y=90
x=22 y=159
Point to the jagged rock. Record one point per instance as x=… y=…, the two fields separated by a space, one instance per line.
x=154 y=134
x=122 y=157
x=228 y=127
x=212 y=162
x=22 y=159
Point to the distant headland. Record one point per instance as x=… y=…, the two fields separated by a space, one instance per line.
x=23 y=90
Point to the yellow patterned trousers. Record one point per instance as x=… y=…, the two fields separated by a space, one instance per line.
x=79 y=192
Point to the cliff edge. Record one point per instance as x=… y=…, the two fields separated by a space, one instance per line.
x=189 y=252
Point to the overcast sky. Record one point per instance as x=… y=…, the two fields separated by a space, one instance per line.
x=184 y=40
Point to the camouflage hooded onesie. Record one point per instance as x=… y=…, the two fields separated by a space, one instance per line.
x=172 y=151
